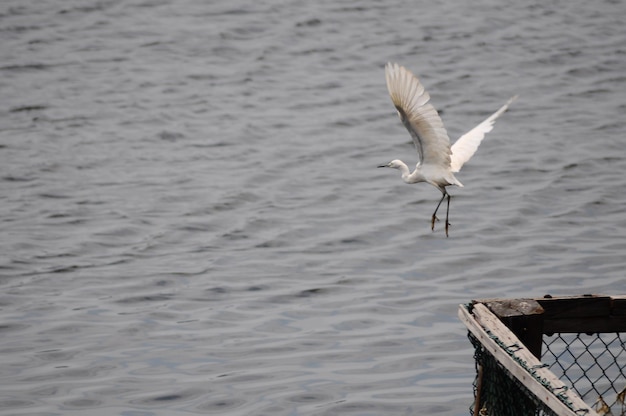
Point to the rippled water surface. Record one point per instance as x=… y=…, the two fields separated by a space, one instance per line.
x=193 y=223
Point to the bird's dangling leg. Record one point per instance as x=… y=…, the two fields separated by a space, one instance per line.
x=447 y=212
x=434 y=218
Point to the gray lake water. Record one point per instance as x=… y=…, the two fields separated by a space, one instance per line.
x=192 y=220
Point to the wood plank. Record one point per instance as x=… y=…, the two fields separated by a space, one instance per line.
x=572 y=314
x=585 y=325
x=524 y=317
x=588 y=314
x=484 y=318
x=514 y=307
x=619 y=305
x=576 y=307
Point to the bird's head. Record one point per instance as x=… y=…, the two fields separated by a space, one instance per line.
x=395 y=164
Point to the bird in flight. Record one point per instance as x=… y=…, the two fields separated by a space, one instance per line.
x=437 y=160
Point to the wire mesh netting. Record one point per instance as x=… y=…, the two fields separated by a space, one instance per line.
x=594 y=365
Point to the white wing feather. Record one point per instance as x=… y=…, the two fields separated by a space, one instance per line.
x=465 y=147
x=420 y=118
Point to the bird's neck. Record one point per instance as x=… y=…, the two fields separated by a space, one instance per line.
x=404 y=171
x=412 y=177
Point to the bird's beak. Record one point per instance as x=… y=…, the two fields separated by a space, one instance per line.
x=382 y=166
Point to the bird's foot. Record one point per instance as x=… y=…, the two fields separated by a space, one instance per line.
x=432 y=222
x=447 y=226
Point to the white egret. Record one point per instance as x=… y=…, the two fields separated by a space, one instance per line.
x=437 y=161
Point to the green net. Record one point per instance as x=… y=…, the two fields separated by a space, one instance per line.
x=499 y=393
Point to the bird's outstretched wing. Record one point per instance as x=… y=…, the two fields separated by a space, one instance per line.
x=420 y=118
x=464 y=148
